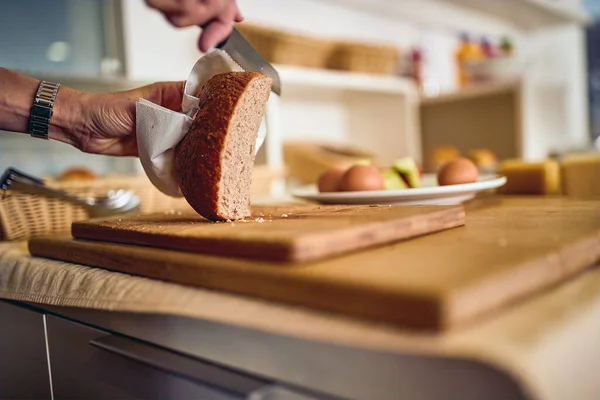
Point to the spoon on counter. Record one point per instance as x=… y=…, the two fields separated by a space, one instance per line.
x=115 y=202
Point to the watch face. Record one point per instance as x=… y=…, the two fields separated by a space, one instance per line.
x=41 y=111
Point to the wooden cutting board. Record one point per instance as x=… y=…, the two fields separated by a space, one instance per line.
x=506 y=251
x=286 y=233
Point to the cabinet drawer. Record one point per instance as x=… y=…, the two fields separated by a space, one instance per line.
x=90 y=364
x=23 y=361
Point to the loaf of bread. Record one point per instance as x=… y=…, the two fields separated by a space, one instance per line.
x=485 y=159
x=442 y=155
x=77 y=174
x=214 y=161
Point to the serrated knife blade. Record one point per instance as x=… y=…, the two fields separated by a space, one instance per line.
x=248 y=58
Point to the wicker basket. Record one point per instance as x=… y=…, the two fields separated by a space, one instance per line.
x=279 y=47
x=24 y=216
x=361 y=57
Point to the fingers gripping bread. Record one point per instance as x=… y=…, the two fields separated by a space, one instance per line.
x=214 y=161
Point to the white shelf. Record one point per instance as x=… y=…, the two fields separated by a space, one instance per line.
x=489 y=16
x=474 y=91
x=308 y=78
x=530 y=14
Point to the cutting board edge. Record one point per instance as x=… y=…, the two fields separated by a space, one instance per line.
x=555 y=267
x=379 y=306
x=449 y=218
x=277 y=252
x=284 y=251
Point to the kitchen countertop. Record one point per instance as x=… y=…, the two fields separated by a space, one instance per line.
x=547 y=346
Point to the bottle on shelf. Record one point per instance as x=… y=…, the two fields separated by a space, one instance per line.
x=487 y=48
x=506 y=46
x=416 y=58
x=467 y=52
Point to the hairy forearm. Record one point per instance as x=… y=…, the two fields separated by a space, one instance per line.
x=16 y=94
x=16 y=97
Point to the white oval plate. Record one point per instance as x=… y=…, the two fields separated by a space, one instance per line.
x=428 y=194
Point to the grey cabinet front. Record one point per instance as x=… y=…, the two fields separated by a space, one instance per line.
x=23 y=361
x=82 y=371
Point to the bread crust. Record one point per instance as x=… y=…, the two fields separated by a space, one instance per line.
x=198 y=157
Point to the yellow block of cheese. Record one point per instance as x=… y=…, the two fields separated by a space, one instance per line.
x=530 y=177
x=581 y=176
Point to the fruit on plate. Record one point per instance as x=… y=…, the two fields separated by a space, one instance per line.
x=484 y=159
x=362 y=178
x=409 y=171
x=330 y=180
x=442 y=155
x=461 y=170
x=365 y=161
x=393 y=180
x=362 y=175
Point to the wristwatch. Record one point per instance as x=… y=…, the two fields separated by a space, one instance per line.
x=41 y=110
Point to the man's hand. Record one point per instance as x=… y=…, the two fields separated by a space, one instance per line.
x=216 y=17
x=110 y=117
x=99 y=123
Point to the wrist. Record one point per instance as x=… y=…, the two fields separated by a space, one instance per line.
x=69 y=119
x=68 y=123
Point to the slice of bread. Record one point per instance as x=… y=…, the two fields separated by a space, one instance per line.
x=215 y=160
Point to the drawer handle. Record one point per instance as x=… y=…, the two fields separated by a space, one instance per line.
x=219 y=378
x=207 y=374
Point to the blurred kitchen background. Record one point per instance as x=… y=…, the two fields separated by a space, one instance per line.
x=392 y=78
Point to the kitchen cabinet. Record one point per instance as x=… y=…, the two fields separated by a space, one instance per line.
x=23 y=361
x=44 y=356
x=376 y=113
x=485 y=116
x=91 y=364
x=82 y=371
x=542 y=112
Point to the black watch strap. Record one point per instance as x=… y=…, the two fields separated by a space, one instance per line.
x=41 y=111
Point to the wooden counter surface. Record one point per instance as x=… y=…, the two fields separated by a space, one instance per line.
x=549 y=342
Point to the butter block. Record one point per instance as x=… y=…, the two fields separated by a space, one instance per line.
x=580 y=175
x=530 y=177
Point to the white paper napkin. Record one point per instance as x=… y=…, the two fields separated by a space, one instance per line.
x=159 y=129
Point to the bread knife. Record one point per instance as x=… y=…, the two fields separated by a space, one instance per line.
x=248 y=58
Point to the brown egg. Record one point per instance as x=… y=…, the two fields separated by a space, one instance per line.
x=461 y=170
x=330 y=180
x=362 y=178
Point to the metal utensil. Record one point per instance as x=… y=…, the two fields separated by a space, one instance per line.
x=113 y=203
x=248 y=58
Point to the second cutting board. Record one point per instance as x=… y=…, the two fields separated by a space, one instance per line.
x=508 y=250
x=284 y=233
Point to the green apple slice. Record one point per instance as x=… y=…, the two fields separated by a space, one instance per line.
x=393 y=180
x=408 y=170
